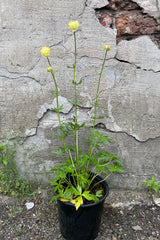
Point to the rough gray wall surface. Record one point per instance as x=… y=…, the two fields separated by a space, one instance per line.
x=130 y=89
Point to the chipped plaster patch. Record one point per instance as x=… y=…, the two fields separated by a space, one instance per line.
x=140 y=51
x=149 y=6
x=62 y=102
x=50 y=118
x=30 y=132
x=115 y=126
x=86 y=95
x=135 y=136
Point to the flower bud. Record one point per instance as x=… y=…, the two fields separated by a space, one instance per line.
x=107 y=47
x=73 y=25
x=49 y=69
x=45 y=51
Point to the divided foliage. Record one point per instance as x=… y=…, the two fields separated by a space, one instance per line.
x=10 y=181
x=74 y=179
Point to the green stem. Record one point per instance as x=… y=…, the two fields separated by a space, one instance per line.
x=58 y=112
x=75 y=96
x=100 y=181
x=73 y=167
x=95 y=110
x=97 y=93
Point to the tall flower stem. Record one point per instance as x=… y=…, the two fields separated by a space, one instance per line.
x=97 y=93
x=58 y=111
x=95 y=111
x=75 y=103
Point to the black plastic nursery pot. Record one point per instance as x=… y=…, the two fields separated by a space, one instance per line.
x=84 y=223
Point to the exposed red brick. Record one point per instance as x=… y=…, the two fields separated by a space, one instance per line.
x=122 y=5
x=136 y=24
x=106 y=20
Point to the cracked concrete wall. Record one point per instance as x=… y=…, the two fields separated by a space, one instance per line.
x=130 y=88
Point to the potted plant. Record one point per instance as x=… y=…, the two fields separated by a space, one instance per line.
x=80 y=190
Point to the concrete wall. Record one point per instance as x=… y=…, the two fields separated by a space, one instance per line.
x=130 y=89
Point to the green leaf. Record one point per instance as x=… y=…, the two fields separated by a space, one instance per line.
x=101 y=169
x=100 y=117
x=99 y=193
x=80 y=81
x=77 y=83
x=75 y=126
x=94 y=161
x=153 y=180
x=79 y=188
x=55 y=136
x=70 y=67
x=68 y=193
x=115 y=168
x=5 y=161
x=88 y=196
x=73 y=102
x=83 y=159
x=99 y=138
x=57 y=153
x=61 y=174
x=156 y=188
x=75 y=191
x=57 y=109
x=148 y=184
x=69 y=169
x=55 y=198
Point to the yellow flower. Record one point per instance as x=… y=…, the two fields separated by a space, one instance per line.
x=45 y=51
x=107 y=47
x=73 y=25
x=49 y=69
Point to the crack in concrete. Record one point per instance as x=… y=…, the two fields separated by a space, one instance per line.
x=24 y=138
x=34 y=65
x=135 y=65
x=18 y=76
x=99 y=126
x=98 y=58
x=84 y=7
x=8 y=73
x=57 y=44
x=4 y=73
x=103 y=126
x=43 y=116
x=22 y=77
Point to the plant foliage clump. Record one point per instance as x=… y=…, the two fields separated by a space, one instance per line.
x=10 y=181
x=74 y=179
